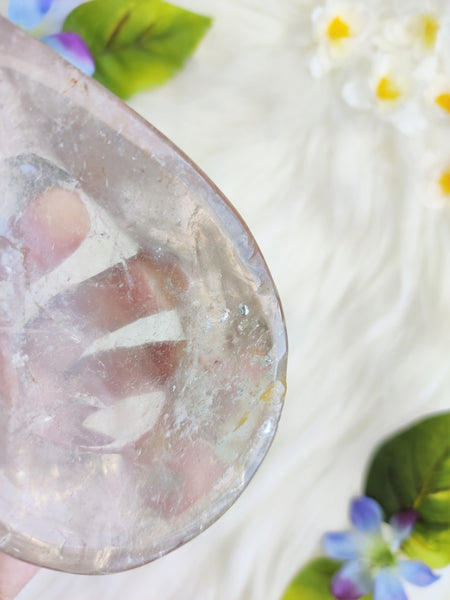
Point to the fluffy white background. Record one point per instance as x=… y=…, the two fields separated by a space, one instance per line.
x=337 y=201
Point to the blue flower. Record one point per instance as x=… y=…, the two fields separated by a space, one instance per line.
x=371 y=554
x=30 y=13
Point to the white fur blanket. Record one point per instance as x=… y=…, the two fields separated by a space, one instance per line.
x=347 y=208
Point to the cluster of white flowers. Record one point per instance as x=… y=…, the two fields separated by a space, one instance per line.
x=392 y=59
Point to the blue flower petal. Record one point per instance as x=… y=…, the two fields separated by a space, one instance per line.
x=54 y=19
x=388 y=586
x=28 y=13
x=340 y=545
x=72 y=48
x=403 y=523
x=366 y=514
x=417 y=573
x=351 y=582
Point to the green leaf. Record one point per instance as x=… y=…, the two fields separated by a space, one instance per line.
x=313 y=581
x=136 y=44
x=412 y=470
x=429 y=544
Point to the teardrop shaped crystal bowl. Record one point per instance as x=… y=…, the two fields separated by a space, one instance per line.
x=142 y=343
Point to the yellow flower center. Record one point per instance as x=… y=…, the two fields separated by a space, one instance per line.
x=444 y=182
x=443 y=100
x=428 y=28
x=338 y=30
x=387 y=90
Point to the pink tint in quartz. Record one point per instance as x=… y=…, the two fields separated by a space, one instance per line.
x=143 y=348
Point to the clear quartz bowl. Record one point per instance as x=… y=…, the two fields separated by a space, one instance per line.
x=142 y=342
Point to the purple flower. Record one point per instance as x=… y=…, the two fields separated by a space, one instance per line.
x=72 y=48
x=371 y=555
x=29 y=13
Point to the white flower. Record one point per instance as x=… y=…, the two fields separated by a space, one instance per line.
x=437 y=98
x=435 y=176
x=387 y=88
x=422 y=33
x=387 y=58
x=341 y=30
x=418 y=32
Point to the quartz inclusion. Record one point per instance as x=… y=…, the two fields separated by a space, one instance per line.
x=143 y=348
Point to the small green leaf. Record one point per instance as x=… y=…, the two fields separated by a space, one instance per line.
x=412 y=470
x=313 y=581
x=136 y=44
